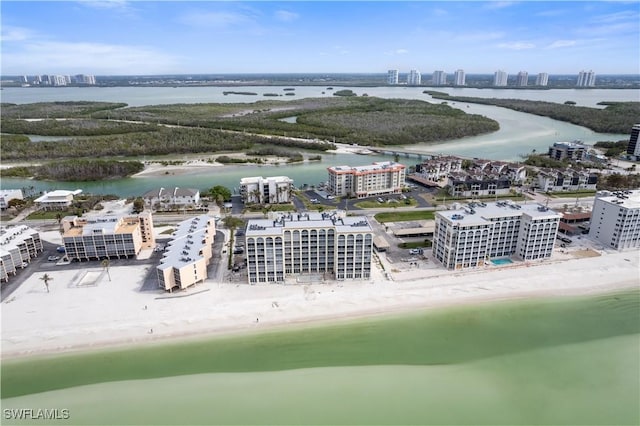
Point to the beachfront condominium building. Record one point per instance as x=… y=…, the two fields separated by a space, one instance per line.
x=500 y=78
x=414 y=78
x=172 y=198
x=586 y=79
x=7 y=195
x=392 y=77
x=187 y=255
x=480 y=232
x=96 y=238
x=553 y=180
x=439 y=78
x=522 y=79
x=615 y=219
x=385 y=177
x=633 y=149
x=18 y=245
x=324 y=245
x=271 y=190
x=459 y=78
x=60 y=199
x=574 y=151
x=542 y=79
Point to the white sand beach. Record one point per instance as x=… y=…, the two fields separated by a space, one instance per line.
x=85 y=309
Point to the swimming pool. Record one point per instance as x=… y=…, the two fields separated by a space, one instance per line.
x=504 y=261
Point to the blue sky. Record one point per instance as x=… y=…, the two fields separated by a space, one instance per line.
x=144 y=37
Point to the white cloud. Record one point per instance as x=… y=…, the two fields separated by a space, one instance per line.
x=518 y=45
x=286 y=16
x=627 y=15
x=95 y=58
x=561 y=43
x=215 y=19
x=499 y=4
x=439 y=12
x=10 y=33
x=479 y=36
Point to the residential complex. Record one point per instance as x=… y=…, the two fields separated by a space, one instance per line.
x=172 y=198
x=500 y=78
x=385 y=177
x=480 y=232
x=59 y=199
x=615 y=219
x=522 y=79
x=439 y=78
x=586 y=79
x=542 y=79
x=107 y=236
x=633 y=149
x=459 y=78
x=414 y=78
x=18 y=245
x=7 y=195
x=58 y=80
x=271 y=190
x=551 y=180
x=186 y=257
x=574 y=151
x=392 y=77
x=330 y=245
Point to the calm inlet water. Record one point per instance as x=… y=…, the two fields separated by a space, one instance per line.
x=553 y=361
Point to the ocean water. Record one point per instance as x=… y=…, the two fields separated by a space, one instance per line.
x=544 y=361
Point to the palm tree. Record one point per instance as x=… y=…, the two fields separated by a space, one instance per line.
x=257 y=195
x=105 y=265
x=46 y=278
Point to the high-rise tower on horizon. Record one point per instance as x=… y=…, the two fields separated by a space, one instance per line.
x=586 y=79
x=523 y=79
x=414 y=78
x=392 y=77
x=439 y=78
x=500 y=78
x=634 y=142
x=542 y=79
x=459 y=78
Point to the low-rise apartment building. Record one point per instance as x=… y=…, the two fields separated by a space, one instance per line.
x=550 y=180
x=188 y=254
x=18 y=245
x=60 y=199
x=574 y=151
x=385 y=177
x=480 y=232
x=615 y=219
x=270 y=190
x=107 y=236
x=327 y=244
x=172 y=198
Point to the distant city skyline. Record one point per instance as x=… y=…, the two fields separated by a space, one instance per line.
x=120 y=37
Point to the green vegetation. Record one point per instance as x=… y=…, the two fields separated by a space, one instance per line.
x=230 y=92
x=437 y=337
x=404 y=216
x=218 y=192
x=539 y=160
x=613 y=149
x=225 y=159
x=575 y=194
x=77 y=170
x=56 y=109
x=344 y=92
x=415 y=244
x=617 y=117
x=73 y=127
x=409 y=202
x=264 y=151
x=616 y=181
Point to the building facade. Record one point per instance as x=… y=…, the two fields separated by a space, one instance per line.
x=550 y=180
x=330 y=245
x=500 y=78
x=392 y=77
x=472 y=236
x=7 y=195
x=385 y=177
x=459 y=78
x=586 y=79
x=414 y=78
x=522 y=79
x=574 y=151
x=615 y=219
x=633 y=149
x=187 y=256
x=542 y=79
x=107 y=236
x=18 y=245
x=172 y=198
x=271 y=190
x=439 y=78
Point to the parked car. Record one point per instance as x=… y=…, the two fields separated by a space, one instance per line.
x=53 y=258
x=415 y=251
x=238 y=250
x=60 y=249
x=314 y=201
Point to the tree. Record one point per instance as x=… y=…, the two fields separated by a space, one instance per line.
x=105 y=265
x=16 y=202
x=46 y=278
x=138 y=205
x=220 y=190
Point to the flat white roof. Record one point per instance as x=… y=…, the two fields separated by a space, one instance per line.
x=310 y=220
x=187 y=243
x=482 y=213
x=629 y=199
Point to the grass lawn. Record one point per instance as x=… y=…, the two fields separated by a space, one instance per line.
x=415 y=244
x=578 y=194
x=273 y=208
x=403 y=216
x=377 y=205
x=50 y=214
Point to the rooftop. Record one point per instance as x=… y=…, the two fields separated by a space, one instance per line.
x=629 y=199
x=482 y=213
x=310 y=220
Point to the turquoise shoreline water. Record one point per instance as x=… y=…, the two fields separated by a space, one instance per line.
x=548 y=361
